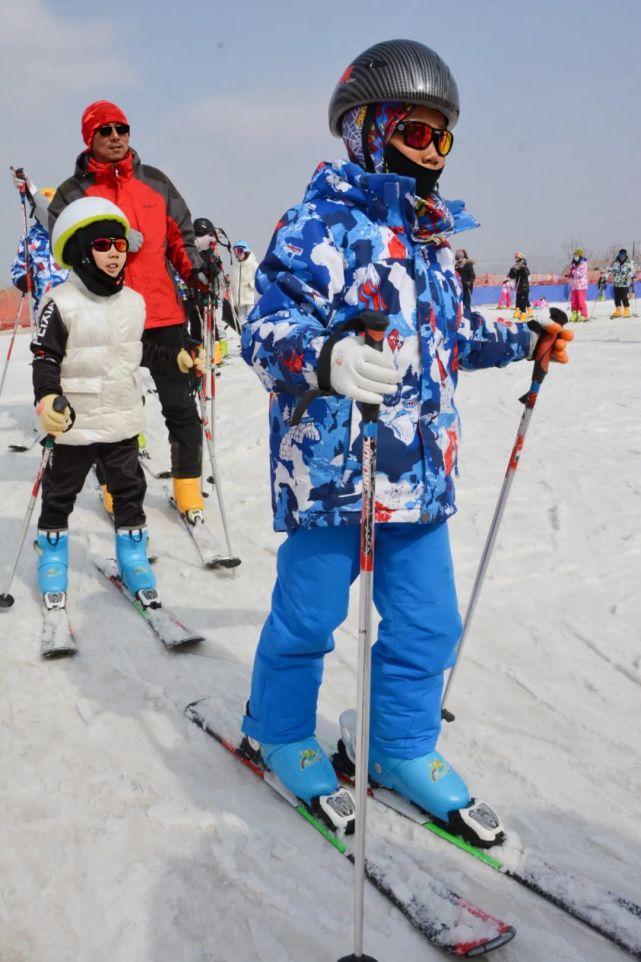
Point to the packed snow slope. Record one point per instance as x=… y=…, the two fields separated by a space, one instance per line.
x=128 y=835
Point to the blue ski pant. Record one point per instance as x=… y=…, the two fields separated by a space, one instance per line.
x=415 y=595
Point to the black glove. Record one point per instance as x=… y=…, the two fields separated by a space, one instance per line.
x=558 y=316
x=199 y=283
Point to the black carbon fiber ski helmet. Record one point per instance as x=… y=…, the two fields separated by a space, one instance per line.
x=395 y=70
x=203 y=226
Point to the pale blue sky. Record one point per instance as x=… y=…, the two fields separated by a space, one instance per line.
x=230 y=100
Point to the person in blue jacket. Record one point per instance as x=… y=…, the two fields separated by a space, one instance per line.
x=372 y=232
x=45 y=274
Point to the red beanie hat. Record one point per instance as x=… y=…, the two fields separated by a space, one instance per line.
x=98 y=113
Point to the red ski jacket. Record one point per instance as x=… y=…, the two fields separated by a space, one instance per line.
x=152 y=206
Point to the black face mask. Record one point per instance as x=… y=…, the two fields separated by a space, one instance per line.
x=97 y=281
x=426 y=177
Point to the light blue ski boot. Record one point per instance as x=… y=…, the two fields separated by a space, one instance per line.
x=305 y=771
x=133 y=564
x=53 y=562
x=431 y=783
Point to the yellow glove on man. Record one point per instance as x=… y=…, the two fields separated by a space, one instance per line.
x=52 y=422
x=185 y=361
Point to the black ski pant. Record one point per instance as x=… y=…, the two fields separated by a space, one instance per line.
x=66 y=472
x=522 y=300
x=176 y=395
x=621 y=297
x=467 y=298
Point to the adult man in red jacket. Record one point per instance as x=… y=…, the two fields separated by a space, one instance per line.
x=161 y=231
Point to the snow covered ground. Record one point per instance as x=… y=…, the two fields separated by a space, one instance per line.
x=127 y=834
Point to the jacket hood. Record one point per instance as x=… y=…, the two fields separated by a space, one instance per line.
x=386 y=195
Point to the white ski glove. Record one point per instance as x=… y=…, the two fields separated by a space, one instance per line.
x=360 y=372
x=135 y=239
x=20 y=177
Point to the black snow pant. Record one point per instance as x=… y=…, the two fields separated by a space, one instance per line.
x=621 y=297
x=66 y=472
x=176 y=395
x=522 y=300
x=467 y=298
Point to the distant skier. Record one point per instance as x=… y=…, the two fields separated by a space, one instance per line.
x=88 y=349
x=520 y=274
x=578 y=276
x=602 y=286
x=623 y=273
x=243 y=279
x=372 y=233
x=505 y=300
x=465 y=270
x=44 y=273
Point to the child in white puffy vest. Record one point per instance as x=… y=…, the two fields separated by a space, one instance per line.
x=88 y=350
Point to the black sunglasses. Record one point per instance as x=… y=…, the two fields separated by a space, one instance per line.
x=106 y=129
x=419 y=135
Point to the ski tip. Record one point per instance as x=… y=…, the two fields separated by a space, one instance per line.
x=507 y=933
x=6 y=601
x=223 y=563
x=17 y=447
x=58 y=653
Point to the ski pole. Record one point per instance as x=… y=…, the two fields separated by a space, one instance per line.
x=7 y=600
x=13 y=337
x=18 y=171
x=375 y=324
x=529 y=399
x=233 y=559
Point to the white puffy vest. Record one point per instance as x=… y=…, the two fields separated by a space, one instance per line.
x=100 y=371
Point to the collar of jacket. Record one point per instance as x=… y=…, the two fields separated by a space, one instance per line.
x=78 y=282
x=102 y=173
x=388 y=199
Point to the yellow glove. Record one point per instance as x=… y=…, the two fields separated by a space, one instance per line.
x=52 y=421
x=185 y=361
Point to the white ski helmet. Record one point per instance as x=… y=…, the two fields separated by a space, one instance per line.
x=80 y=213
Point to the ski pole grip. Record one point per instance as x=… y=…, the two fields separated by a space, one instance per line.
x=374 y=324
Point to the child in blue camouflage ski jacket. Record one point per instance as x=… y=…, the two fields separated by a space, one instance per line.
x=45 y=273
x=372 y=233
x=360 y=240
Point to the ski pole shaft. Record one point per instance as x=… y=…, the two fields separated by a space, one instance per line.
x=375 y=324
x=541 y=365
x=214 y=467
x=10 y=348
x=25 y=230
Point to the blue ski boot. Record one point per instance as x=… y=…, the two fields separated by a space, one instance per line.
x=428 y=782
x=134 y=567
x=431 y=783
x=305 y=771
x=53 y=550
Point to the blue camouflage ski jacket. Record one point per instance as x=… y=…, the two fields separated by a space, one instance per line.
x=357 y=242
x=45 y=273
